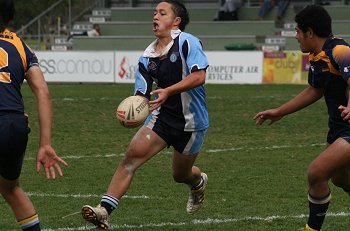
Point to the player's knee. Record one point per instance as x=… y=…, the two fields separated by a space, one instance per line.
x=316 y=175
x=129 y=164
x=132 y=160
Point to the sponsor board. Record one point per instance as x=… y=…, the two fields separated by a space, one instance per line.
x=77 y=66
x=285 y=67
x=224 y=67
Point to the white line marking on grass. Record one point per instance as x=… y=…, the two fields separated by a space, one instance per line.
x=207 y=221
x=108 y=155
x=251 y=97
x=39 y=194
x=264 y=148
x=79 y=99
x=72 y=214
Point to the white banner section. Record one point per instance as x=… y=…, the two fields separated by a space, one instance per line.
x=225 y=67
x=70 y=66
x=234 y=67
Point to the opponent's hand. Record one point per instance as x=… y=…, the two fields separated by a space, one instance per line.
x=50 y=161
x=344 y=113
x=162 y=97
x=271 y=115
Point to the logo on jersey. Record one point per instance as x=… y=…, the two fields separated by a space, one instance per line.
x=346 y=69
x=312 y=68
x=173 y=58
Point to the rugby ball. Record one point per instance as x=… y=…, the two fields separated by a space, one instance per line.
x=132 y=111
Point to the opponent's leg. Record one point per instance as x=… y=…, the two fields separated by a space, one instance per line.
x=335 y=158
x=20 y=204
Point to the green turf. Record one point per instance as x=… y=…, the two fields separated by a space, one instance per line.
x=257 y=174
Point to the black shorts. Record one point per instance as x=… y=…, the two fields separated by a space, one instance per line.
x=187 y=143
x=14 y=132
x=339 y=132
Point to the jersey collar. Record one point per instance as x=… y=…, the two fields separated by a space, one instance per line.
x=150 y=51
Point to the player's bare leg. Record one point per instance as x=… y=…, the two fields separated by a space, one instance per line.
x=185 y=172
x=144 y=145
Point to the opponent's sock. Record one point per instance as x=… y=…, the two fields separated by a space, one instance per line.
x=30 y=224
x=317 y=210
x=109 y=202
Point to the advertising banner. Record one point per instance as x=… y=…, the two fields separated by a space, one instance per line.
x=126 y=65
x=120 y=66
x=285 y=67
x=224 y=67
x=234 y=67
x=77 y=66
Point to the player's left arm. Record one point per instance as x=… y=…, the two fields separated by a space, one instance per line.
x=341 y=55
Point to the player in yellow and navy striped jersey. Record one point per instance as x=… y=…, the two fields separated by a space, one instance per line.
x=329 y=77
x=18 y=62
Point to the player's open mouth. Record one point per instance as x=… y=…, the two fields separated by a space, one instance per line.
x=155 y=26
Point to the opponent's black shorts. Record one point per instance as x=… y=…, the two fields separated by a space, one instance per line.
x=14 y=132
x=339 y=132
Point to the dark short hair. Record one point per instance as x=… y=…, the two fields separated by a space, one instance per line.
x=180 y=11
x=316 y=18
x=7 y=12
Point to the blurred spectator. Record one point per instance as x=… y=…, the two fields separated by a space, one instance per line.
x=282 y=5
x=94 y=32
x=267 y=5
x=228 y=11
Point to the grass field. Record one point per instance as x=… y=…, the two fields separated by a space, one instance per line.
x=257 y=174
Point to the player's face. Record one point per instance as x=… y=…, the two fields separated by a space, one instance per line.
x=303 y=40
x=164 y=20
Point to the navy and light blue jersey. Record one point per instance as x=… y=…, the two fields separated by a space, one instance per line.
x=330 y=70
x=15 y=59
x=185 y=111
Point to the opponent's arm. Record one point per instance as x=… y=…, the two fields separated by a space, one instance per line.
x=303 y=99
x=342 y=54
x=345 y=110
x=46 y=154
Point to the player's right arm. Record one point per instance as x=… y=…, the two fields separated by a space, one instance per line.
x=46 y=156
x=302 y=100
